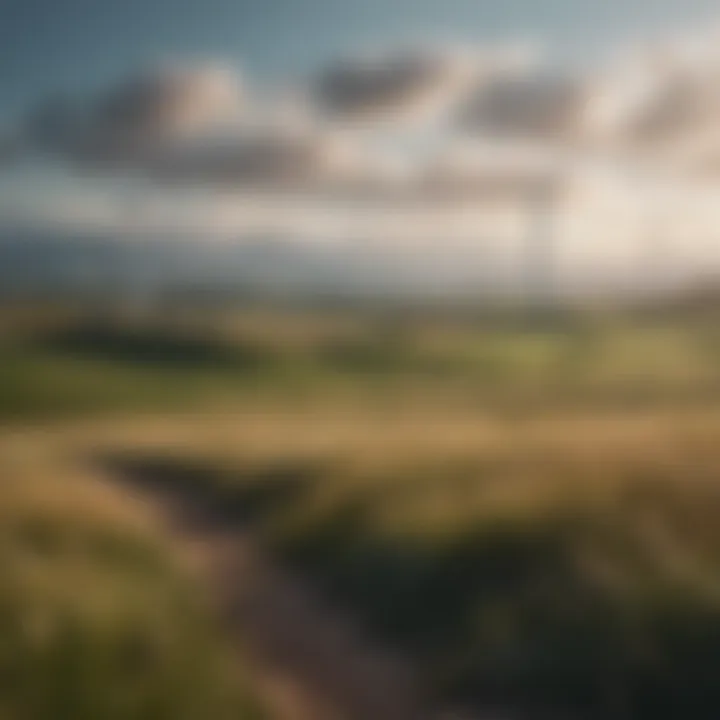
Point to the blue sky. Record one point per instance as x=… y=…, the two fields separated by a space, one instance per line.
x=48 y=46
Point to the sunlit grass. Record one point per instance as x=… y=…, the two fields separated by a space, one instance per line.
x=98 y=620
x=570 y=565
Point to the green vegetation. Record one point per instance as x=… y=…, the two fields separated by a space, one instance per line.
x=59 y=365
x=527 y=509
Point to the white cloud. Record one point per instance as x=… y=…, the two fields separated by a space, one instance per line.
x=498 y=120
x=657 y=98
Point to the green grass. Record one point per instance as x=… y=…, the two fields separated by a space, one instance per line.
x=65 y=367
x=528 y=510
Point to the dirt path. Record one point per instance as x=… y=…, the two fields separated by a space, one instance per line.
x=308 y=661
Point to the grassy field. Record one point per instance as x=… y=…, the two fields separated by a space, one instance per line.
x=55 y=364
x=98 y=618
x=570 y=566
x=528 y=510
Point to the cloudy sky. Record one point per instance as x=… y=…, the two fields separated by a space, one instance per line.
x=49 y=44
x=379 y=121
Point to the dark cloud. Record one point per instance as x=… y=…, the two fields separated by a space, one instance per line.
x=192 y=125
x=131 y=121
x=391 y=82
x=181 y=126
x=540 y=106
x=257 y=157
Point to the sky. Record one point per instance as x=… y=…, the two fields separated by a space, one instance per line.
x=52 y=45
x=149 y=115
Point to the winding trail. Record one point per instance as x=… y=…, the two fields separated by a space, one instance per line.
x=307 y=660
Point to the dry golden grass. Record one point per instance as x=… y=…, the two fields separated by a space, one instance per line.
x=98 y=618
x=570 y=563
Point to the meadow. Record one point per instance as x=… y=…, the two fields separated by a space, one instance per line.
x=69 y=362
x=526 y=507
x=98 y=618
